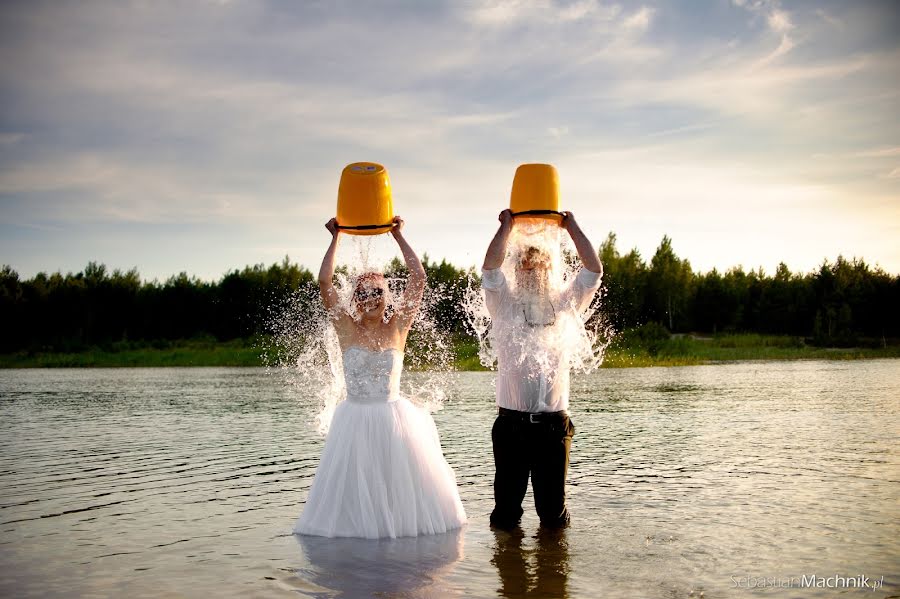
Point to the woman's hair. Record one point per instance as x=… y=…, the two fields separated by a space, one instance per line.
x=374 y=277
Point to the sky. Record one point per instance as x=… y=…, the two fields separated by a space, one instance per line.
x=204 y=136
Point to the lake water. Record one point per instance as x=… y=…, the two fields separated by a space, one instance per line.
x=731 y=480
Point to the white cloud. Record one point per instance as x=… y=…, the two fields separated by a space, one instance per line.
x=510 y=12
x=499 y=12
x=828 y=18
x=578 y=10
x=785 y=46
x=780 y=21
x=640 y=20
x=743 y=89
x=105 y=188
x=878 y=153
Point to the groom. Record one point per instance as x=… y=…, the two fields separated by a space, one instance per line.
x=532 y=434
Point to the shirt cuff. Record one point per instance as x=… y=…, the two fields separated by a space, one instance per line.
x=492 y=278
x=588 y=279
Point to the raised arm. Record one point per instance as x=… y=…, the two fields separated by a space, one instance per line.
x=326 y=271
x=589 y=257
x=581 y=288
x=415 y=287
x=497 y=250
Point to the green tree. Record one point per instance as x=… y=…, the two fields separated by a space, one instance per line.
x=624 y=285
x=668 y=287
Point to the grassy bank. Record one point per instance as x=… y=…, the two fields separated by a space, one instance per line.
x=689 y=350
x=627 y=352
x=240 y=352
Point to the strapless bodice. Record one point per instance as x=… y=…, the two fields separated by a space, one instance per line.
x=372 y=376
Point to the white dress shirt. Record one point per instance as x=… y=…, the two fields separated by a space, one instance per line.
x=530 y=340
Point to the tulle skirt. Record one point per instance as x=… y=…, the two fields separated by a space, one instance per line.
x=382 y=474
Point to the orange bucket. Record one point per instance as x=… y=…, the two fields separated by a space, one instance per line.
x=364 y=203
x=535 y=193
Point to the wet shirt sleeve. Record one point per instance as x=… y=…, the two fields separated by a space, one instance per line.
x=493 y=282
x=583 y=287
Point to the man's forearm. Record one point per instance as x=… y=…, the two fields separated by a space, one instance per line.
x=589 y=257
x=497 y=250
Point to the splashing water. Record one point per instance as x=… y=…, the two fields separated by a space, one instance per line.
x=551 y=335
x=304 y=345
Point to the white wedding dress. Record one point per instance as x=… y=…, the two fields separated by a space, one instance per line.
x=382 y=471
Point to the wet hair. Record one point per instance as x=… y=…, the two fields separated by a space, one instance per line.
x=367 y=277
x=533 y=252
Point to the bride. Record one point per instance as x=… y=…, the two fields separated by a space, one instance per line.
x=382 y=472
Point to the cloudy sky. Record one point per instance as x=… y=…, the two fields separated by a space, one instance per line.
x=205 y=136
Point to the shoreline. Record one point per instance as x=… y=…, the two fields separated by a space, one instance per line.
x=675 y=352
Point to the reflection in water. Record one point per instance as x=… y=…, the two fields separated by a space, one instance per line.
x=412 y=566
x=540 y=571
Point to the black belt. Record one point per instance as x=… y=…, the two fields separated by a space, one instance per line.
x=533 y=417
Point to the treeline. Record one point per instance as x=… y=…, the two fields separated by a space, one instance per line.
x=842 y=303
x=97 y=308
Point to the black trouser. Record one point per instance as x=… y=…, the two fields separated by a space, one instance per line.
x=541 y=449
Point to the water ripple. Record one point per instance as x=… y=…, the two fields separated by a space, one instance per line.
x=186 y=482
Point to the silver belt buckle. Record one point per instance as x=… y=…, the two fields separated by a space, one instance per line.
x=532 y=420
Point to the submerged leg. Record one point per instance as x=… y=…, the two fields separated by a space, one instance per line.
x=511 y=464
x=552 y=444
